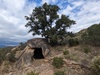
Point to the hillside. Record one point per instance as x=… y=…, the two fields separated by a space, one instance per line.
x=70 y=59
x=76 y=61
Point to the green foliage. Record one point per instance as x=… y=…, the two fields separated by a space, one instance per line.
x=41 y=22
x=3 y=52
x=96 y=65
x=65 y=52
x=32 y=73
x=92 y=35
x=86 y=50
x=59 y=73
x=57 y=62
x=22 y=46
x=11 y=57
x=73 y=42
x=71 y=34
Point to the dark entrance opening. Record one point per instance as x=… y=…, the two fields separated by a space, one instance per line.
x=38 y=53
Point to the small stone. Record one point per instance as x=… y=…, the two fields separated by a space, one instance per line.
x=45 y=60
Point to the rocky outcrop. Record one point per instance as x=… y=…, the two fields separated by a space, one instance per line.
x=25 y=57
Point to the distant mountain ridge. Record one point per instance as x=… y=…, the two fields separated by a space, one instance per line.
x=8 y=43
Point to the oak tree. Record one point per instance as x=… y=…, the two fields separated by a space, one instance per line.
x=46 y=22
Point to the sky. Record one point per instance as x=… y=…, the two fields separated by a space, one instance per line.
x=13 y=12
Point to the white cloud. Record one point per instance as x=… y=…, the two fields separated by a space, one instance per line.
x=12 y=12
x=86 y=16
x=12 y=21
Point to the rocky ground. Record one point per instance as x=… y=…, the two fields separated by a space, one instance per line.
x=76 y=62
x=44 y=67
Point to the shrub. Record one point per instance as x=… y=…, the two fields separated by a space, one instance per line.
x=22 y=46
x=1 y=60
x=96 y=65
x=71 y=34
x=65 y=52
x=3 y=52
x=59 y=73
x=92 y=35
x=86 y=50
x=73 y=42
x=11 y=57
x=57 y=62
x=32 y=73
